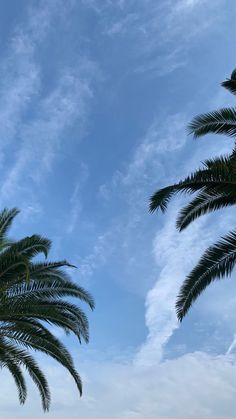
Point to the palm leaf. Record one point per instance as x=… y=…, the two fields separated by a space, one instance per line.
x=16 y=373
x=230 y=84
x=49 y=288
x=34 y=335
x=203 y=204
x=217 y=262
x=222 y=121
x=218 y=176
x=6 y=219
x=31 y=246
x=31 y=298
x=10 y=352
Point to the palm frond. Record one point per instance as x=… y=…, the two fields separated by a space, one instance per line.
x=31 y=246
x=56 y=315
x=62 y=313
x=218 y=174
x=50 y=288
x=45 y=279
x=204 y=203
x=50 y=272
x=12 y=265
x=230 y=84
x=221 y=166
x=33 y=335
x=222 y=121
x=32 y=298
x=18 y=378
x=21 y=357
x=6 y=219
x=217 y=262
x=200 y=181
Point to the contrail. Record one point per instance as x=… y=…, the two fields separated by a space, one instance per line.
x=231 y=347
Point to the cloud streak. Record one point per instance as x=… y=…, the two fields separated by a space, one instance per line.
x=155 y=26
x=35 y=141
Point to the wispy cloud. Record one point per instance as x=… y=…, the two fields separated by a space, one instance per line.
x=76 y=200
x=121 y=26
x=20 y=71
x=34 y=141
x=98 y=256
x=132 y=186
x=152 y=28
x=43 y=135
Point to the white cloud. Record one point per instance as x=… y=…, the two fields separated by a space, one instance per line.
x=191 y=387
x=43 y=135
x=180 y=388
x=19 y=70
x=32 y=123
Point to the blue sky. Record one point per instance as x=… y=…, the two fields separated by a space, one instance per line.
x=95 y=96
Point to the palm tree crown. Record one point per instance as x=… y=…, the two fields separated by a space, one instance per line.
x=31 y=296
x=214 y=186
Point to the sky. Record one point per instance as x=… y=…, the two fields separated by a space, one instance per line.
x=95 y=97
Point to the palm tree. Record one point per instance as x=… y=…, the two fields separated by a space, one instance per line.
x=215 y=188
x=31 y=297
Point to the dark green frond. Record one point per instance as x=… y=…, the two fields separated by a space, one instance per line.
x=21 y=357
x=204 y=203
x=50 y=288
x=218 y=176
x=222 y=165
x=43 y=269
x=230 y=84
x=161 y=198
x=12 y=265
x=31 y=246
x=32 y=298
x=58 y=312
x=6 y=218
x=39 y=379
x=217 y=262
x=18 y=378
x=55 y=314
x=222 y=121
x=46 y=279
x=201 y=181
x=33 y=335
x=51 y=272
